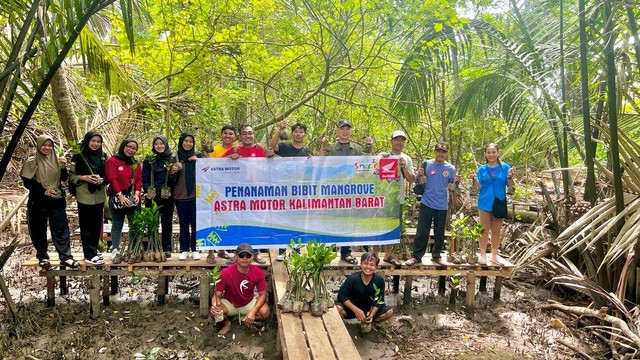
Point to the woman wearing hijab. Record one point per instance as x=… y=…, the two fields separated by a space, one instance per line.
x=185 y=195
x=125 y=178
x=157 y=184
x=42 y=175
x=87 y=174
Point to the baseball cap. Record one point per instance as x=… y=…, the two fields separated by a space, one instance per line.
x=344 y=122
x=398 y=133
x=442 y=146
x=244 y=248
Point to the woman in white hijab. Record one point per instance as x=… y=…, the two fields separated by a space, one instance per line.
x=42 y=175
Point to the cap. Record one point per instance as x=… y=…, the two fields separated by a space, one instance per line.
x=344 y=122
x=398 y=133
x=244 y=248
x=442 y=146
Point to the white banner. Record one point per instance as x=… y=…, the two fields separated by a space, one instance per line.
x=346 y=200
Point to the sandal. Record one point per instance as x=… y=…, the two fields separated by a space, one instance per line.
x=412 y=262
x=392 y=261
x=350 y=259
x=71 y=263
x=211 y=257
x=224 y=255
x=259 y=260
x=44 y=263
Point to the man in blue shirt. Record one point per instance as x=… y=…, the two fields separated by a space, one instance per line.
x=439 y=176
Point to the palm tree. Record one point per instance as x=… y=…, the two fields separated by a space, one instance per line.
x=37 y=52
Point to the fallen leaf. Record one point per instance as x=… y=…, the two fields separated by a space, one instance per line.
x=150 y=340
x=188 y=318
x=197 y=329
x=102 y=350
x=180 y=332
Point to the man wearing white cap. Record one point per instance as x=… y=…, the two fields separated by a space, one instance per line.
x=406 y=172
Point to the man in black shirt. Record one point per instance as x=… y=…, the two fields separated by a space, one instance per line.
x=357 y=297
x=294 y=149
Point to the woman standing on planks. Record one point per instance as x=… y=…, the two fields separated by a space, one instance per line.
x=157 y=184
x=87 y=177
x=185 y=195
x=491 y=180
x=42 y=175
x=125 y=182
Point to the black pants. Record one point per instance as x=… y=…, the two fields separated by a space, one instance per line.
x=90 y=219
x=426 y=216
x=166 y=219
x=37 y=218
x=187 y=219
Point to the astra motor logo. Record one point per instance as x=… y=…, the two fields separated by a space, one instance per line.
x=221 y=169
x=366 y=167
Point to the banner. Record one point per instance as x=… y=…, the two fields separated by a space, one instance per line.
x=343 y=200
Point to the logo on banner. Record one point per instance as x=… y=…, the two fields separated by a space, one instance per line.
x=388 y=169
x=366 y=167
x=222 y=169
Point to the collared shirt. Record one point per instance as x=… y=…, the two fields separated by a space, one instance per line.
x=339 y=149
x=436 y=190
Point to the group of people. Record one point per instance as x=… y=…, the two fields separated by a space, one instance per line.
x=169 y=181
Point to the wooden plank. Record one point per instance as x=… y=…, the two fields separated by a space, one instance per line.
x=94 y=296
x=343 y=346
x=204 y=296
x=294 y=342
x=471 y=294
x=319 y=343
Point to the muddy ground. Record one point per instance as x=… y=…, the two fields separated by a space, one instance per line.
x=134 y=326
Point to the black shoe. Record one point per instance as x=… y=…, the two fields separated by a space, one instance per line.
x=167 y=254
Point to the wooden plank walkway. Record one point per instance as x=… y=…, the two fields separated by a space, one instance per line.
x=306 y=336
x=110 y=272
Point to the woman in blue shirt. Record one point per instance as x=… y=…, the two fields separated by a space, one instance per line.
x=491 y=179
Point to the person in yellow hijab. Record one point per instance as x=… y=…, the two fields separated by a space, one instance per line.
x=42 y=175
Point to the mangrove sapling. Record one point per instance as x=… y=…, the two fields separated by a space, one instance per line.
x=459 y=232
x=378 y=299
x=472 y=249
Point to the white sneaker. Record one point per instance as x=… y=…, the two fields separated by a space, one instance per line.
x=183 y=255
x=280 y=257
x=114 y=253
x=195 y=255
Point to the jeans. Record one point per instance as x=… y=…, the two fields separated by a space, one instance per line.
x=187 y=219
x=117 y=222
x=90 y=219
x=426 y=216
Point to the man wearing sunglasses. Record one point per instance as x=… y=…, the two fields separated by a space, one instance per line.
x=235 y=291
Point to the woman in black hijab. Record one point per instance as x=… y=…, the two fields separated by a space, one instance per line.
x=157 y=184
x=87 y=177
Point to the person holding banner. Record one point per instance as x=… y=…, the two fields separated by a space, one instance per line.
x=440 y=177
x=235 y=291
x=406 y=172
x=491 y=179
x=294 y=149
x=228 y=135
x=343 y=147
x=361 y=296
x=248 y=149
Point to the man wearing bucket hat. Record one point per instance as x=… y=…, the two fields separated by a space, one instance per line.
x=406 y=172
x=434 y=204
x=235 y=291
x=342 y=147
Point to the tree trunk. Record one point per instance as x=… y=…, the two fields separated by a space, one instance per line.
x=62 y=102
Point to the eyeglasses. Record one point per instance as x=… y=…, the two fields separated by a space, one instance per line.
x=131 y=147
x=244 y=255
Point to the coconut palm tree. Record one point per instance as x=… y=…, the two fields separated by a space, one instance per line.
x=36 y=38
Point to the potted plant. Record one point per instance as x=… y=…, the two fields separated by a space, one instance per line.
x=378 y=299
x=458 y=234
x=472 y=249
x=214 y=277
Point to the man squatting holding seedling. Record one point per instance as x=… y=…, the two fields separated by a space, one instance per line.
x=357 y=297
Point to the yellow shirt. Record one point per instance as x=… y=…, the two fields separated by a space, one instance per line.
x=218 y=151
